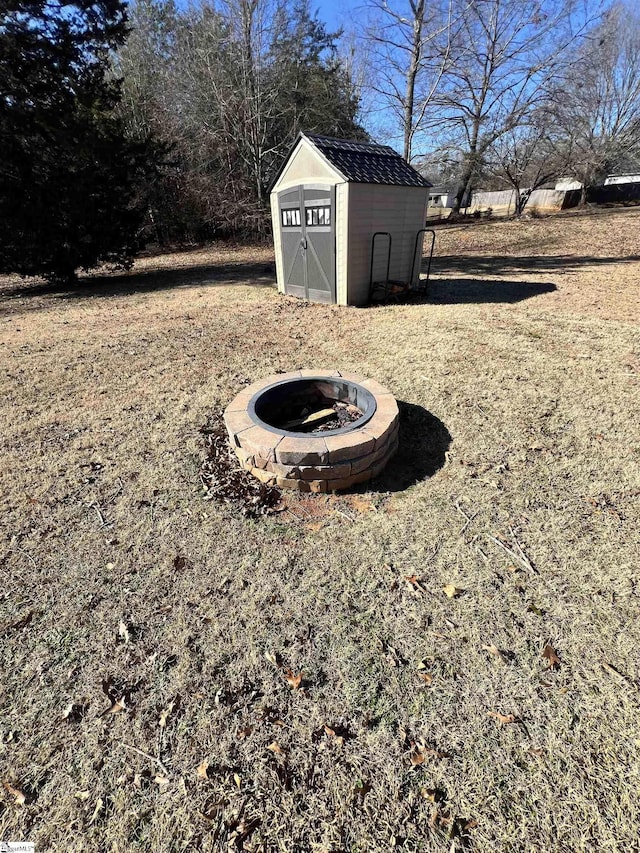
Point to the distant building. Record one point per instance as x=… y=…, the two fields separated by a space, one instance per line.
x=441 y=199
x=630 y=178
x=567 y=184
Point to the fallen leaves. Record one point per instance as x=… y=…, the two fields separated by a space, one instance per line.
x=294 y=680
x=552 y=656
x=431 y=794
x=75 y=712
x=361 y=504
x=18 y=796
x=201 y=770
x=276 y=749
x=452 y=591
x=424 y=671
x=120 y=694
x=497 y=654
x=420 y=751
x=224 y=480
x=503 y=719
x=118 y=705
x=415 y=584
x=164 y=715
x=417 y=758
x=333 y=734
x=241 y=734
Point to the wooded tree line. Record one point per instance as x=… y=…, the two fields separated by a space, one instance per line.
x=227 y=88
x=121 y=124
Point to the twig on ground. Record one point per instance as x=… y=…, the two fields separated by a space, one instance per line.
x=468 y=519
x=474 y=542
x=117 y=491
x=100 y=515
x=619 y=676
x=340 y=512
x=146 y=755
x=520 y=558
x=523 y=556
x=24 y=554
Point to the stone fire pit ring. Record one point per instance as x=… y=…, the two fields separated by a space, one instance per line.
x=314 y=462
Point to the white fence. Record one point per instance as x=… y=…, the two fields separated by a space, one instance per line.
x=503 y=202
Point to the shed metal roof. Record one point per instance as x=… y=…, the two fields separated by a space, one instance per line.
x=363 y=162
x=367 y=162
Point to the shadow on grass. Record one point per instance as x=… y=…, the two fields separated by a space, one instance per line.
x=260 y=274
x=505 y=264
x=454 y=291
x=424 y=441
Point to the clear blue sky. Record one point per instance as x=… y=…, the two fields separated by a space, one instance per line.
x=338 y=13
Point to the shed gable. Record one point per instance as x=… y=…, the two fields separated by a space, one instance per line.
x=306 y=165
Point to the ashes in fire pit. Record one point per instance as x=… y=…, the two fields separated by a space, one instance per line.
x=323 y=416
x=314 y=431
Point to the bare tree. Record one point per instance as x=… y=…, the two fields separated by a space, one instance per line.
x=410 y=45
x=525 y=158
x=597 y=105
x=505 y=55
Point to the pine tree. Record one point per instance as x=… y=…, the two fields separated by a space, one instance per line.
x=69 y=179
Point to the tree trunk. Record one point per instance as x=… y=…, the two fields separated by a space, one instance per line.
x=522 y=199
x=464 y=186
x=412 y=73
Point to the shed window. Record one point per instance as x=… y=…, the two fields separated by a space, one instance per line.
x=318 y=216
x=291 y=218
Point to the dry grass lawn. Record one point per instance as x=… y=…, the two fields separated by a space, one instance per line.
x=151 y=640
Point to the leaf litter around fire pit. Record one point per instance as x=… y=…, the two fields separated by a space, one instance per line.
x=224 y=480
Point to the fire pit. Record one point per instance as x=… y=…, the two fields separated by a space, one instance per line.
x=312 y=430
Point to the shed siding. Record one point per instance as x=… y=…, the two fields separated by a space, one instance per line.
x=342 y=234
x=306 y=166
x=277 y=244
x=399 y=210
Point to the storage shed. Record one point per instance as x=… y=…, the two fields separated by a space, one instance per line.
x=328 y=201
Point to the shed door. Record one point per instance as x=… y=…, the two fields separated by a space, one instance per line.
x=307 y=228
x=292 y=239
x=319 y=223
